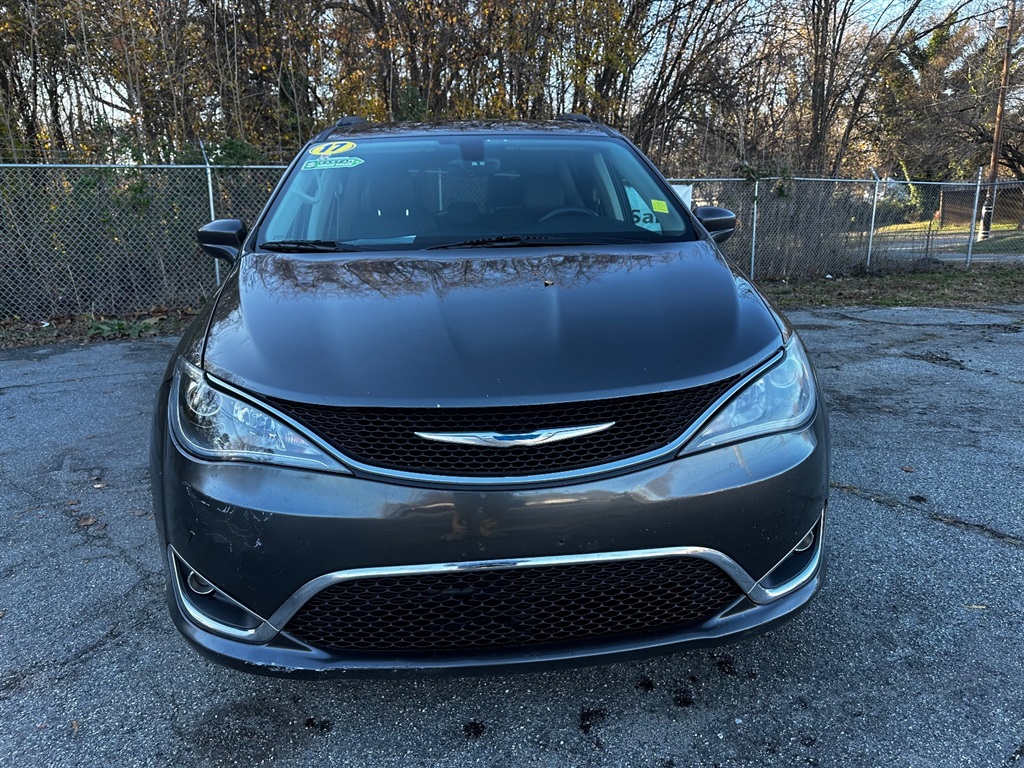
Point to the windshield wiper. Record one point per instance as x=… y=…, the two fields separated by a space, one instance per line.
x=528 y=241
x=494 y=242
x=307 y=246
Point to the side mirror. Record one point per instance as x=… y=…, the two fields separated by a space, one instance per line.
x=223 y=238
x=719 y=222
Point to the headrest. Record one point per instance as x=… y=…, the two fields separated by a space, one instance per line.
x=391 y=191
x=463 y=211
x=505 y=191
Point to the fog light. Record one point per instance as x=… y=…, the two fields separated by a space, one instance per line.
x=805 y=543
x=198 y=584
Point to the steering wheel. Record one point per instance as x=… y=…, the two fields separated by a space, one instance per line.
x=566 y=210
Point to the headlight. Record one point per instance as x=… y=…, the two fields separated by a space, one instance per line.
x=781 y=399
x=214 y=425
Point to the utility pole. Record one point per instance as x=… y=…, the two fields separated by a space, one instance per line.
x=997 y=139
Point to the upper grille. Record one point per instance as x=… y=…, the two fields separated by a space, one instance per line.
x=385 y=437
x=477 y=609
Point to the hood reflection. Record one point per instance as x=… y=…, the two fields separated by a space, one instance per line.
x=288 y=275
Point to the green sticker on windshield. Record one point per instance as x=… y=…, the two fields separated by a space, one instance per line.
x=659 y=206
x=331 y=162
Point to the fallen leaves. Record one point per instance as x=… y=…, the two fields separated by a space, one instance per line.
x=91 y=521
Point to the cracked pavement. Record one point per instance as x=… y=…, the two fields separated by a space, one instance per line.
x=912 y=655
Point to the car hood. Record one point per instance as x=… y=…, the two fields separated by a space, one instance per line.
x=521 y=325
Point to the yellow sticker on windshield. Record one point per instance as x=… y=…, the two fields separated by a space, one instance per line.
x=659 y=206
x=331 y=148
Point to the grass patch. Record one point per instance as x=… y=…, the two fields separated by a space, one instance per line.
x=921 y=227
x=17 y=332
x=951 y=286
x=1002 y=243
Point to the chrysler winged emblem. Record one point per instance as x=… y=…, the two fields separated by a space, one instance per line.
x=501 y=440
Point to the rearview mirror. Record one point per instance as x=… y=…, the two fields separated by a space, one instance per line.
x=719 y=222
x=223 y=238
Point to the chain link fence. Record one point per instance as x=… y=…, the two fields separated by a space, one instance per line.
x=808 y=228
x=114 y=240
x=117 y=240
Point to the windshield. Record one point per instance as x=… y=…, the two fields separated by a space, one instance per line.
x=467 y=190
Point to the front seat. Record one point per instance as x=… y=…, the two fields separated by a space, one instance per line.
x=391 y=208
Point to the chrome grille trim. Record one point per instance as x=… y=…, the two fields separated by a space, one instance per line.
x=469 y=611
x=292 y=605
x=575 y=475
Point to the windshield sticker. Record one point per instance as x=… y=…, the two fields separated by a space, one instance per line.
x=659 y=206
x=331 y=162
x=331 y=148
x=643 y=216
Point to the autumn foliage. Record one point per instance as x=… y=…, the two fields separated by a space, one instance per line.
x=748 y=86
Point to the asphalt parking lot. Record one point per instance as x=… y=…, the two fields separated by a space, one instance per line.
x=911 y=656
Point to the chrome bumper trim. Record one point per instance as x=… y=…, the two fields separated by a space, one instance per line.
x=264 y=633
x=270 y=627
x=762 y=595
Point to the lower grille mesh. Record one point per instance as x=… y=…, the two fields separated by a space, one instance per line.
x=481 y=609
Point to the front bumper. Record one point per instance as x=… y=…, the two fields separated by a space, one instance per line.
x=287 y=657
x=270 y=537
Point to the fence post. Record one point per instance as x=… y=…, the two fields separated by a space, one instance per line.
x=753 y=230
x=974 y=219
x=213 y=210
x=874 y=210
